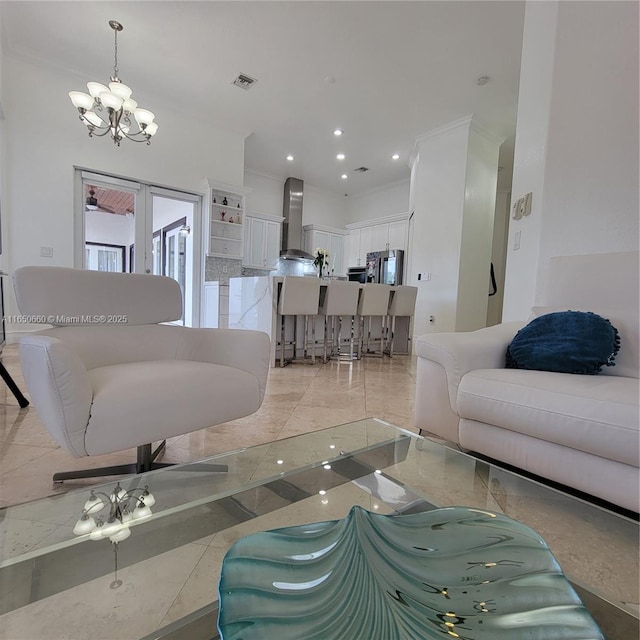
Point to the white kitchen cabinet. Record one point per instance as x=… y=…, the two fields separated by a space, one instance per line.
x=333 y=240
x=388 y=235
x=398 y=235
x=380 y=237
x=366 y=244
x=353 y=248
x=262 y=240
x=210 y=305
x=380 y=234
x=359 y=244
x=224 y=220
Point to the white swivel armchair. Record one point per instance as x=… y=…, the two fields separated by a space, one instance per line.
x=109 y=376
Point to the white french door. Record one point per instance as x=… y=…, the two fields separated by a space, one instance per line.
x=126 y=225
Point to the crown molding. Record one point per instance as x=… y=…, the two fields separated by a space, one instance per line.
x=487 y=133
x=325 y=229
x=450 y=126
x=396 y=217
x=468 y=121
x=208 y=183
x=263 y=216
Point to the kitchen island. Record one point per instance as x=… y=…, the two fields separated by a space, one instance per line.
x=253 y=304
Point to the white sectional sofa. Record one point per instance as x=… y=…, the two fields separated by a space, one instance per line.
x=579 y=430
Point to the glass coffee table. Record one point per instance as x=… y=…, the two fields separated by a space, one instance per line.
x=54 y=584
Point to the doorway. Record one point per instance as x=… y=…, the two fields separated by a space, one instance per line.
x=130 y=226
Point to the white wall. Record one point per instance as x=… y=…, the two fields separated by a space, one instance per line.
x=437 y=198
x=576 y=139
x=453 y=196
x=477 y=230
x=377 y=203
x=318 y=206
x=266 y=193
x=323 y=207
x=45 y=140
x=591 y=173
x=499 y=255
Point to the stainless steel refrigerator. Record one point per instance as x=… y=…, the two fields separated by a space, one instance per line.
x=385 y=267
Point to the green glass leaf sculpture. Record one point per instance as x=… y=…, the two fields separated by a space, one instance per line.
x=455 y=572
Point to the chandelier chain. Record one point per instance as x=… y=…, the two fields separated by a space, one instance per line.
x=115 y=56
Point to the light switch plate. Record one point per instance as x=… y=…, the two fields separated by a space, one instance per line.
x=515 y=210
x=527 y=204
x=516 y=239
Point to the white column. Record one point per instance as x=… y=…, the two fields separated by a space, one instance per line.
x=453 y=189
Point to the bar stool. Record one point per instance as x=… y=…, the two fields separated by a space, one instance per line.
x=340 y=299
x=403 y=303
x=374 y=302
x=299 y=296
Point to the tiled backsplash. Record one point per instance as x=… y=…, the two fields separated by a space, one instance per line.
x=221 y=269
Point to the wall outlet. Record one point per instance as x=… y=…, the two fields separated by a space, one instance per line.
x=46 y=252
x=432 y=319
x=424 y=276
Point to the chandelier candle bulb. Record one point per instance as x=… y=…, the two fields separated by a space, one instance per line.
x=121 y=90
x=129 y=105
x=81 y=100
x=143 y=116
x=110 y=100
x=123 y=534
x=86 y=524
x=96 y=88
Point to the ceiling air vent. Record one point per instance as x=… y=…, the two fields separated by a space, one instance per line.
x=362 y=169
x=244 y=81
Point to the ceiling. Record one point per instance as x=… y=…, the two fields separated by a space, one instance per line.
x=384 y=72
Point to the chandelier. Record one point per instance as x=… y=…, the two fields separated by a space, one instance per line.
x=111 y=109
x=123 y=507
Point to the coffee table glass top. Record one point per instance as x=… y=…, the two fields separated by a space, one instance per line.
x=53 y=582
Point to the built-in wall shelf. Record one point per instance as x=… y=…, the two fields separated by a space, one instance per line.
x=225 y=219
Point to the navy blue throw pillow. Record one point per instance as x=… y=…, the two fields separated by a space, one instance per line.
x=566 y=342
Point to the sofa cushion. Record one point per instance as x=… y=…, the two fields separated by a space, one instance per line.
x=596 y=414
x=626 y=319
x=566 y=342
x=140 y=402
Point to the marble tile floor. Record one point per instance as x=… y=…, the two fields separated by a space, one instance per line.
x=299 y=398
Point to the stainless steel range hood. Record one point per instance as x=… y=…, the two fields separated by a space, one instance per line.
x=292 y=224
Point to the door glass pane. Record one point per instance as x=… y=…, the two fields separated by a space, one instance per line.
x=173 y=221
x=156 y=249
x=104 y=258
x=109 y=223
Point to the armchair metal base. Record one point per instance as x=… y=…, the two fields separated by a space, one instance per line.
x=145 y=462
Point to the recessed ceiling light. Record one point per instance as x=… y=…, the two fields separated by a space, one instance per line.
x=338 y=132
x=290 y=158
x=344 y=176
x=340 y=156
x=395 y=156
